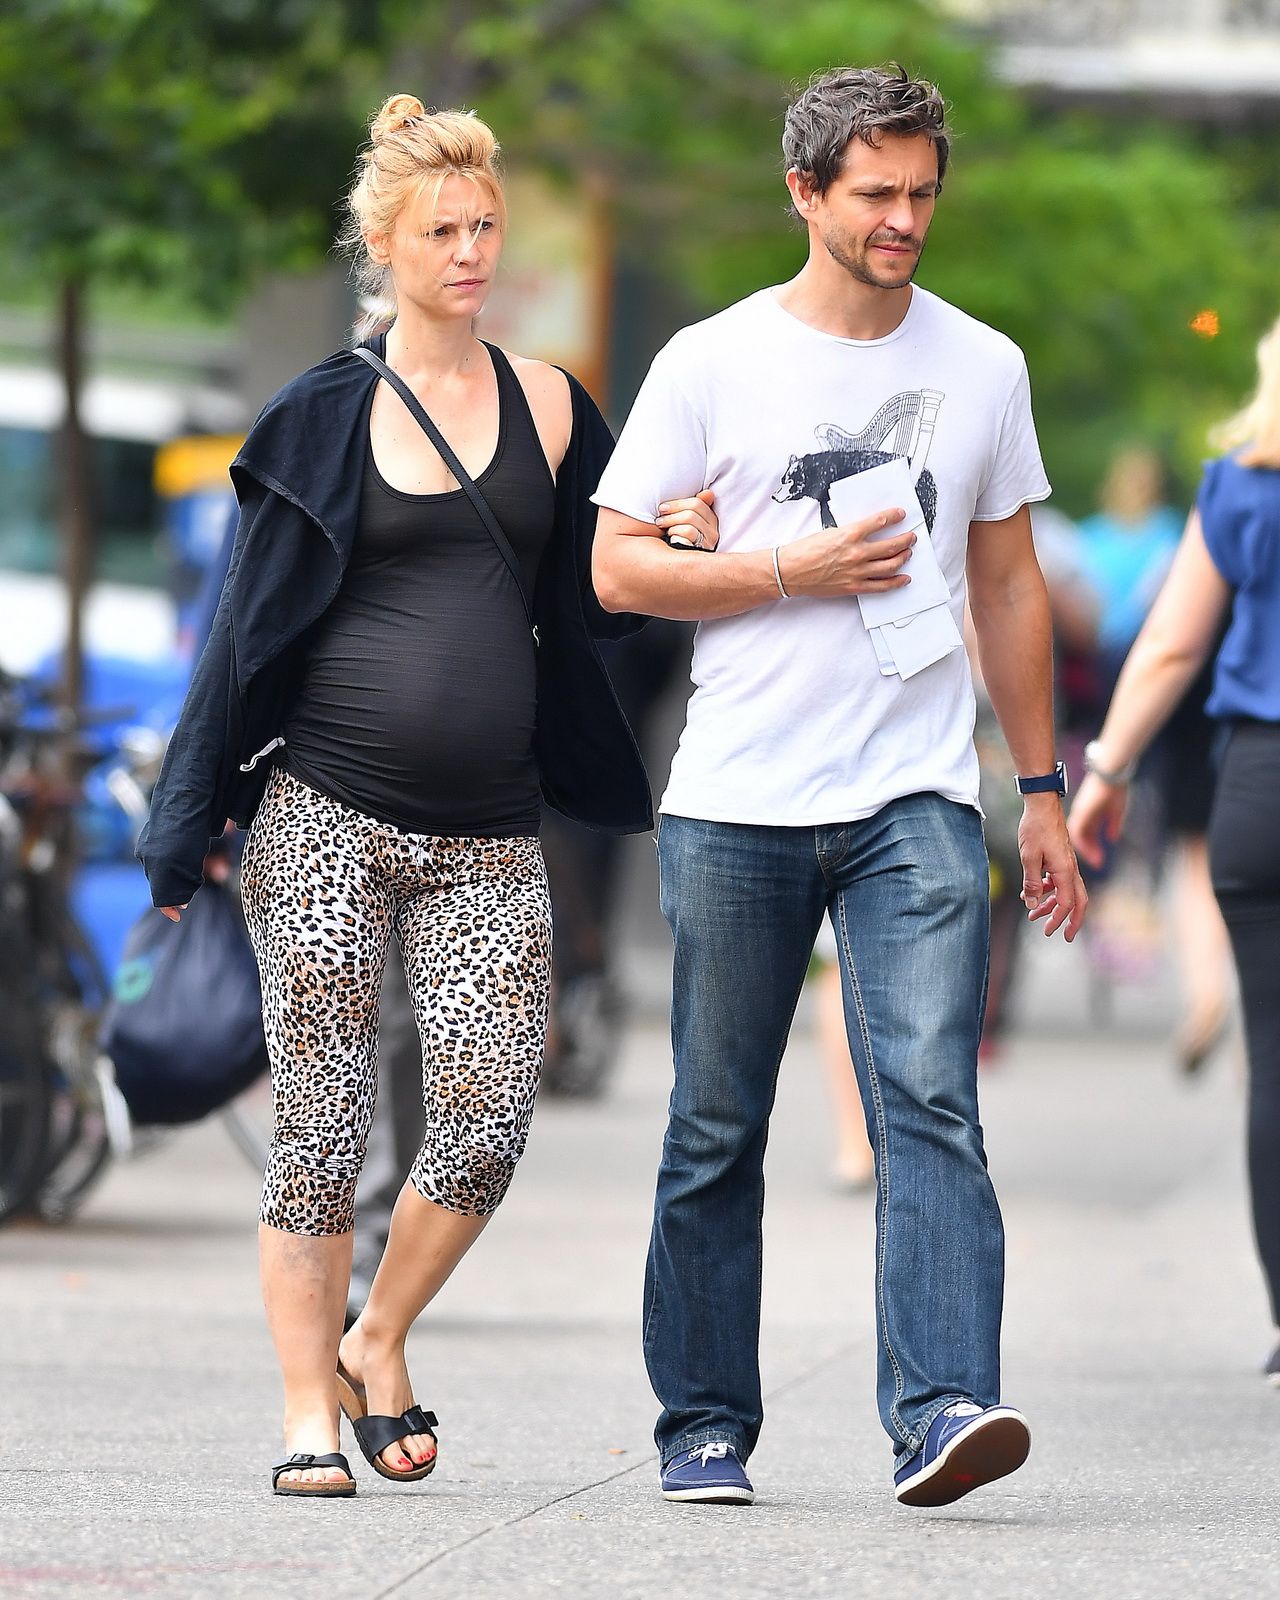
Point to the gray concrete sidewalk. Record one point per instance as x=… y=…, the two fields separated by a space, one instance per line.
x=141 y=1405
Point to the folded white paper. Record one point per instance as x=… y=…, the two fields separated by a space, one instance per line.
x=880 y=489
x=884 y=656
x=917 y=642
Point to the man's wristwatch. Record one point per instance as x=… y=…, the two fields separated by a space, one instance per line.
x=1054 y=782
x=1116 y=776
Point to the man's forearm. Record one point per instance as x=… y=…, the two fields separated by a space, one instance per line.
x=1015 y=648
x=634 y=570
x=634 y=573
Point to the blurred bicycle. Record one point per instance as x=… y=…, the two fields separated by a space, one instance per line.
x=54 y=1136
x=67 y=799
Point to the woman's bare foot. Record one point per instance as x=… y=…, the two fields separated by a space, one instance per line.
x=313 y=1434
x=378 y=1367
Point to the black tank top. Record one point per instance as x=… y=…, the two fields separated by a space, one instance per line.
x=417 y=700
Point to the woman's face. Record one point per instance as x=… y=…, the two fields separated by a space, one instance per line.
x=443 y=253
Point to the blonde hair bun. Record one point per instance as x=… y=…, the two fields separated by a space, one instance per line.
x=395 y=115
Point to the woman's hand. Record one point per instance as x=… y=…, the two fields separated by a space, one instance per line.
x=217 y=869
x=692 y=523
x=1097 y=816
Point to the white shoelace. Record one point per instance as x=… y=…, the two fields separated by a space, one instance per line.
x=963 y=1408
x=711 y=1452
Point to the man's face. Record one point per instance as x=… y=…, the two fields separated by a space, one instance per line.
x=874 y=218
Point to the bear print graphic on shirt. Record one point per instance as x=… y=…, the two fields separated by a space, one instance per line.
x=906 y=421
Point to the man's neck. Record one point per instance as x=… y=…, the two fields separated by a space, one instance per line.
x=827 y=297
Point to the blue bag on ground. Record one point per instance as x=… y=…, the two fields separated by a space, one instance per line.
x=184 y=1024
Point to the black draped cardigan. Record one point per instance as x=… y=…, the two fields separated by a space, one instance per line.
x=297 y=479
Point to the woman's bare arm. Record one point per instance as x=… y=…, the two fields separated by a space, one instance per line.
x=1174 y=644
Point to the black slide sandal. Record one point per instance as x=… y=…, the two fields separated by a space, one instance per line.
x=374 y=1434
x=326 y=1489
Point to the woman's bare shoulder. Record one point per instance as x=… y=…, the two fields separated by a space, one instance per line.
x=550 y=399
x=541 y=380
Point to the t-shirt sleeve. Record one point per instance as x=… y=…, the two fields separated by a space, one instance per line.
x=661 y=453
x=1216 y=524
x=1015 y=474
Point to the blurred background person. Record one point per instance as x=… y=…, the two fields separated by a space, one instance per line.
x=1227 y=568
x=1080 y=695
x=1074 y=613
x=853 y=1165
x=1126 y=547
x=585 y=868
x=1195 y=931
x=1125 y=551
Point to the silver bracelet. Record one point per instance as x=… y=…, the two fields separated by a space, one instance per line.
x=1117 y=779
x=777 y=576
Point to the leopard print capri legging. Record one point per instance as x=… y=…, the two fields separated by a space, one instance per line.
x=323 y=887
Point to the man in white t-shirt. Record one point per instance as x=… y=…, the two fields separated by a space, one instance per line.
x=870 y=449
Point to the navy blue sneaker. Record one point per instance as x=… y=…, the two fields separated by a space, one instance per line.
x=964 y=1448
x=709 y=1473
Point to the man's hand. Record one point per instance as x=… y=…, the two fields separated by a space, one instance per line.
x=848 y=560
x=691 y=523
x=1051 y=882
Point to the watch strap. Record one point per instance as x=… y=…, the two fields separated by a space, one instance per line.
x=1054 y=782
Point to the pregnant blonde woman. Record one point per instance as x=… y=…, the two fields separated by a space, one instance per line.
x=401 y=670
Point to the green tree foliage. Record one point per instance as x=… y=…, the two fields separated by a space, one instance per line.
x=1097 y=246
x=153 y=140
x=1092 y=241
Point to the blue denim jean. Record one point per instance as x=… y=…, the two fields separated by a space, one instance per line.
x=907 y=892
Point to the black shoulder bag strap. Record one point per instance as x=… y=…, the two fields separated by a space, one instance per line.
x=483 y=511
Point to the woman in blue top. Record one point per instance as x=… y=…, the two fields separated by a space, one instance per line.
x=1227 y=568
x=1125 y=550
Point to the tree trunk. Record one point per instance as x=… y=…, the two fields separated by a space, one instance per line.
x=75 y=510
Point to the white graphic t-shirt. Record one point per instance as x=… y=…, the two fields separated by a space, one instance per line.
x=792 y=720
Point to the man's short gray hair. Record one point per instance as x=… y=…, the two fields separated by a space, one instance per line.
x=859 y=103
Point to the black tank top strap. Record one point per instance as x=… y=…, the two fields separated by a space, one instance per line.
x=522 y=430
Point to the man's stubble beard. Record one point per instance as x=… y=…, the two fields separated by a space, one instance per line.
x=854 y=259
